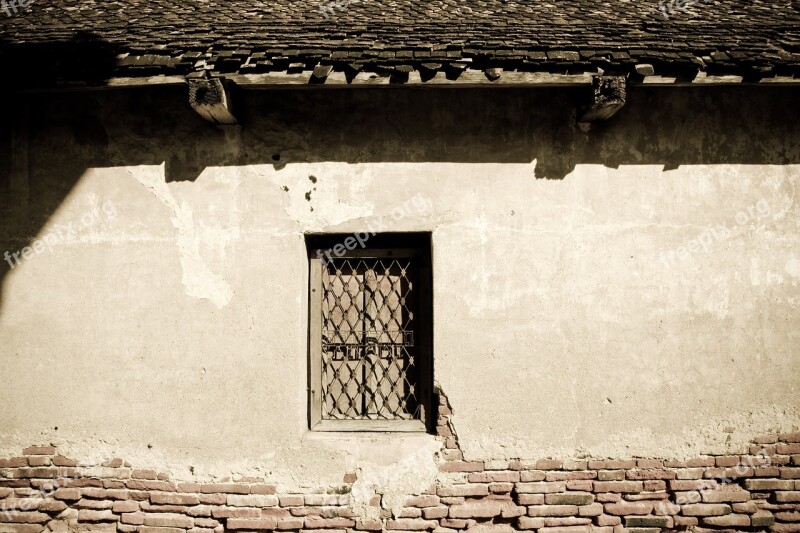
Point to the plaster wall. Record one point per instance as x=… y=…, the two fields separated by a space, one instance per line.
x=629 y=291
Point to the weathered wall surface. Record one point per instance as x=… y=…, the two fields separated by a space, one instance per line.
x=627 y=292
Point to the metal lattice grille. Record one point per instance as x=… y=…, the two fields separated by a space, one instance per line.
x=369 y=370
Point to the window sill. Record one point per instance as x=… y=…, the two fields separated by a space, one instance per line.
x=373 y=426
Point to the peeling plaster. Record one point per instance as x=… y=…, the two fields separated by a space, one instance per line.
x=200 y=281
x=411 y=474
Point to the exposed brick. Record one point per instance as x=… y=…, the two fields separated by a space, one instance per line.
x=453 y=523
x=790 y=437
x=574 y=465
x=145 y=484
x=628 y=508
x=471 y=489
x=411 y=524
x=594 y=509
x=199 y=510
x=788 y=496
x=647 y=521
x=21 y=504
x=785 y=528
x=727 y=460
x=290 y=523
x=567 y=529
x=768 y=484
x=228 y=488
x=790 y=473
x=725 y=494
x=52 y=506
x=125 y=506
x=433 y=513
x=235 y=512
x=685 y=521
x=528 y=476
x=689 y=473
x=136 y=519
x=611 y=464
x=276 y=512
x=172 y=498
x=189 y=487
x=783 y=449
x=253 y=524
x=369 y=525
x=706 y=509
x=67 y=494
x=762 y=519
x=540 y=487
x=39 y=450
x=530 y=499
x=168 y=520
x=572 y=475
x=501 y=488
x=618 y=486
x=88 y=515
x=529 y=522
x=461 y=466
x=569 y=499
x=252 y=500
x=291 y=500
x=213 y=499
x=611 y=475
x=693 y=484
x=316 y=522
x=650 y=473
x=745 y=507
x=566 y=521
x=94 y=504
x=478 y=509
x=770 y=471
x=608 y=520
x=144 y=474
x=731 y=520
x=494 y=477
x=608 y=497
x=23 y=517
x=552 y=510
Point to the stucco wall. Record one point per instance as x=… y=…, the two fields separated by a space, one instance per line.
x=587 y=300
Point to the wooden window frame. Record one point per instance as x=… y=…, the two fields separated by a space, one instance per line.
x=390 y=245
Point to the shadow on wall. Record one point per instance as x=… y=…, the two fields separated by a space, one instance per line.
x=70 y=132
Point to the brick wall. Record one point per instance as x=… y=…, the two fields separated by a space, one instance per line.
x=758 y=489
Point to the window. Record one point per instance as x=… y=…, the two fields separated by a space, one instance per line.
x=370 y=325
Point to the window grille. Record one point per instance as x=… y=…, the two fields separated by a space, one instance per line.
x=370 y=355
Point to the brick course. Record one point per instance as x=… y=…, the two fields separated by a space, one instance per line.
x=548 y=495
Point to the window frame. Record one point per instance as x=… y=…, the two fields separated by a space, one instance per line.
x=417 y=245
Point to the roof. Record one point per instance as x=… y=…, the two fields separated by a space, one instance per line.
x=87 y=41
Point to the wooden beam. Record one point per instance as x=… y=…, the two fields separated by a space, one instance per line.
x=608 y=97
x=211 y=100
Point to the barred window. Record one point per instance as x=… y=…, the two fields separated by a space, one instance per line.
x=370 y=332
